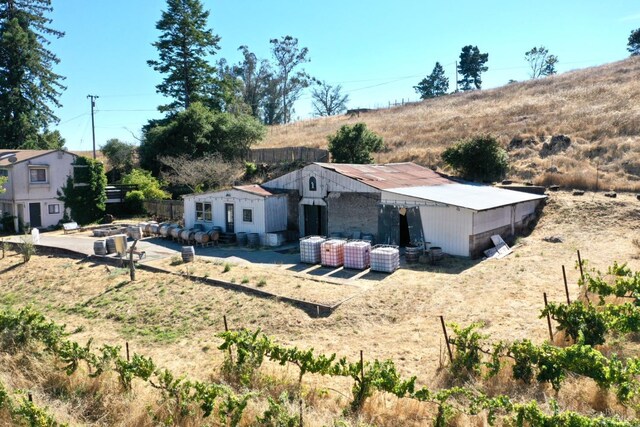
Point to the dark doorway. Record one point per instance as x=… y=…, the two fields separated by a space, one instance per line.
x=229 y=218
x=405 y=237
x=35 y=216
x=313 y=221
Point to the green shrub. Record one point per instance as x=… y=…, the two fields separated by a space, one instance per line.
x=146 y=183
x=480 y=158
x=354 y=144
x=134 y=201
x=84 y=193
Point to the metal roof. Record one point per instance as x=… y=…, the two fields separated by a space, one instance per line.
x=476 y=197
x=390 y=175
x=254 y=189
x=11 y=157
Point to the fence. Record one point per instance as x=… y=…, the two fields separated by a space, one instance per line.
x=288 y=154
x=166 y=210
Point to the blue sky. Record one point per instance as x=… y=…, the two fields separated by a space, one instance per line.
x=377 y=50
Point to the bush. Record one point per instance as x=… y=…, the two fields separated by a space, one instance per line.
x=147 y=184
x=354 y=144
x=480 y=158
x=134 y=202
x=84 y=194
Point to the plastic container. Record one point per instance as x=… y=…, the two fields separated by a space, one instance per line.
x=357 y=255
x=385 y=258
x=310 y=249
x=332 y=252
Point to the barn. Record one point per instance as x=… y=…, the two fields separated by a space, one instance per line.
x=399 y=203
x=247 y=209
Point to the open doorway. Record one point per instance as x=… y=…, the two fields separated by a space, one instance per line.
x=314 y=220
x=405 y=237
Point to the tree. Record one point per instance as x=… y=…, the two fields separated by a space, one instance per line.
x=434 y=85
x=147 y=184
x=3 y=181
x=354 y=144
x=256 y=75
x=205 y=173
x=120 y=155
x=198 y=131
x=633 y=45
x=479 y=158
x=328 y=100
x=183 y=47
x=29 y=87
x=542 y=64
x=471 y=66
x=84 y=194
x=288 y=56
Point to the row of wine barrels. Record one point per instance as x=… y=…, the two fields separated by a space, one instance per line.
x=187 y=234
x=175 y=232
x=135 y=233
x=188 y=253
x=201 y=237
x=154 y=229
x=99 y=247
x=253 y=240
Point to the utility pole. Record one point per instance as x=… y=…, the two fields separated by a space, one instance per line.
x=456 y=76
x=93 y=126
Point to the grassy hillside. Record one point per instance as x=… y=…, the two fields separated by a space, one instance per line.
x=597 y=108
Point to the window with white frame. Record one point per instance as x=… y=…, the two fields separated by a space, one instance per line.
x=38 y=175
x=247 y=215
x=204 y=211
x=54 y=208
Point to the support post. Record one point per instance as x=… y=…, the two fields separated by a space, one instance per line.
x=566 y=287
x=93 y=126
x=446 y=338
x=548 y=319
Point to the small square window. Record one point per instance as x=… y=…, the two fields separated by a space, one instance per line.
x=247 y=215
x=54 y=209
x=38 y=175
x=204 y=211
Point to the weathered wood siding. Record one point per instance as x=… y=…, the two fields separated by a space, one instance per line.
x=276 y=213
x=288 y=154
x=166 y=210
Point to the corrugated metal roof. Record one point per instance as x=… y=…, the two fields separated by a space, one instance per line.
x=21 y=155
x=390 y=175
x=254 y=189
x=470 y=196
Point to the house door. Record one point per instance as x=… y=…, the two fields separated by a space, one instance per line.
x=313 y=221
x=35 y=217
x=228 y=217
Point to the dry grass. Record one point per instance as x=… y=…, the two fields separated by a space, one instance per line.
x=174 y=320
x=597 y=107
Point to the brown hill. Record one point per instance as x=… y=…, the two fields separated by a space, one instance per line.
x=597 y=108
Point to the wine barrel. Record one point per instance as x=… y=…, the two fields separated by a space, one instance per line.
x=111 y=245
x=253 y=240
x=135 y=233
x=175 y=232
x=164 y=230
x=412 y=254
x=201 y=237
x=188 y=253
x=241 y=239
x=436 y=254
x=99 y=247
x=214 y=235
x=154 y=229
x=185 y=234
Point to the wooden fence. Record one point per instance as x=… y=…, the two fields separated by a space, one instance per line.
x=288 y=154
x=165 y=210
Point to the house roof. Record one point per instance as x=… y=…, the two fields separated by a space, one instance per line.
x=23 y=155
x=472 y=196
x=390 y=175
x=254 y=189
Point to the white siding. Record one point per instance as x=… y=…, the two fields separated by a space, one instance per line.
x=526 y=208
x=447 y=227
x=491 y=219
x=276 y=213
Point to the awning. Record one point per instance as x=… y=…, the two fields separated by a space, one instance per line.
x=312 y=202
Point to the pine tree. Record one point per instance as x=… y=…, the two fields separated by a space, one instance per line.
x=29 y=88
x=471 y=66
x=633 y=45
x=434 y=85
x=183 y=47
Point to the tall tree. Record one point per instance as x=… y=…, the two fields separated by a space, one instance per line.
x=288 y=56
x=121 y=157
x=542 y=63
x=354 y=144
x=28 y=85
x=184 y=45
x=434 y=85
x=471 y=66
x=633 y=45
x=256 y=76
x=328 y=100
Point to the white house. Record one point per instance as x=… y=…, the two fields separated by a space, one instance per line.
x=34 y=177
x=402 y=202
x=247 y=208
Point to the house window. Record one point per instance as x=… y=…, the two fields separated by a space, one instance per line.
x=54 y=209
x=312 y=184
x=247 y=215
x=4 y=172
x=204 y=211
x=38 y=175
